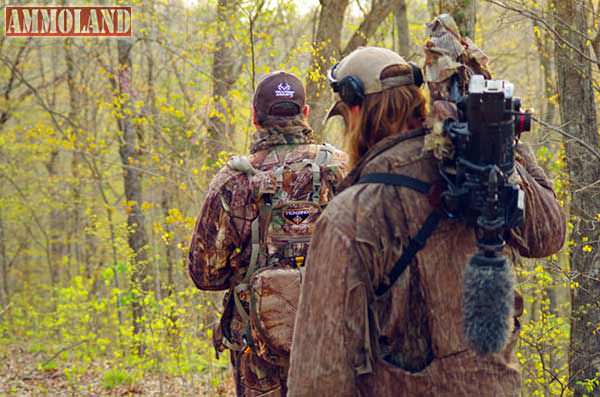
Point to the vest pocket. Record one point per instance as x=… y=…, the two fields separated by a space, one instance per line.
x=459 y=375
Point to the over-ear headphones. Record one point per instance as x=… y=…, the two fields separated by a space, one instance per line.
x=352 y=90
x=417 y=74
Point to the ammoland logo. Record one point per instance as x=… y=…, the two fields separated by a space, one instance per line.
x=61 y=21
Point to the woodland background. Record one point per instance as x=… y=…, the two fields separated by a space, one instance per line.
x=107 y=146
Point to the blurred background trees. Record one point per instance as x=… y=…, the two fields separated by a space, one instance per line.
x=107 y=146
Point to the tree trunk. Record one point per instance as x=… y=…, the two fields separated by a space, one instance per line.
x=171 y=244
x=463 y=12
x=326 y=50
x=596 y=47
x=130 y=154
x=545 y=47
x=401 y=20
x=224 y=75
x=379 y=12
x=56 y=249
x=578 y=115
x=77 y=234
x=4 y=263
x=150 y=109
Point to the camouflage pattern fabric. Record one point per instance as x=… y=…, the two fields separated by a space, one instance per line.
x=447 y=54
x=220 y=247
x=274 y=301
x=281 y=131
x=408 y=342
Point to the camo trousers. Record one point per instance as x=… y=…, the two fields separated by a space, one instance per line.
x=255 y=377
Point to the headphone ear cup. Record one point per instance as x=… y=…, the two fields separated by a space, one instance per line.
x=352 y=90
x=417 y=74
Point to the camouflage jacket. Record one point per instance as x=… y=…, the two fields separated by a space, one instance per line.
x=220 y=246
x=419 y=321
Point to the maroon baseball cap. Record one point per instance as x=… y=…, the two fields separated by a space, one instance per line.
x=277 y=88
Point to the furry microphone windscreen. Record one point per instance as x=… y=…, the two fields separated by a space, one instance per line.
x=488 y=303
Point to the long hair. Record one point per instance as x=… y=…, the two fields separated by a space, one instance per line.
x=382 y=114
x=269 y=122
x=284 y=114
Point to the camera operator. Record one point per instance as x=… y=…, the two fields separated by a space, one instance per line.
x=361 y=331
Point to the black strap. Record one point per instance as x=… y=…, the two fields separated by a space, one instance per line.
x=396 y=180
x=416 y=243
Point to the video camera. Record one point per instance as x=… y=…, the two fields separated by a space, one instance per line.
x=489 y=124
x=479 y=191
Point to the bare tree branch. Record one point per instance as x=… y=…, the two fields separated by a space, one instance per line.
x=379 y=11
x=567 y=135
x=21 y=53
x=531 y=14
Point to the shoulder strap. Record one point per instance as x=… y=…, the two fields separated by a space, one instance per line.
x=243 y=287
x=242 y=164
x=396 y=180
x=416 y=243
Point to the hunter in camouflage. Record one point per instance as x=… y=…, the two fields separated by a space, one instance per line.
x=348 y=341
x=221 y=246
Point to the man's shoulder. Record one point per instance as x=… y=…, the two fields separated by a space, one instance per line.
x=324 y=151
x=230 y=185
x=225 y=176
x=324 y=154
x=338 y=159
x=403 y=156
x=362 y=208
x=236 y=179
x=336 y=154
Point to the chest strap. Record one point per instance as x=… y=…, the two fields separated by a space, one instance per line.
x=416 y=243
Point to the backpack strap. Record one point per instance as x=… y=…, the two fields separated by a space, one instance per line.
x=322 y=158
x=255 y=239
x=416 y=243
x=243 y=286
x=278 y=173
x=242 y=164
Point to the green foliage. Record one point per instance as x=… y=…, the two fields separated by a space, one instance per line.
x=116 y=377
x=545 y=330
x=81 y=330
x=48 y=366
x=66 y=290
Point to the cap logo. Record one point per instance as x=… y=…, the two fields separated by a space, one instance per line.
x=284 y=90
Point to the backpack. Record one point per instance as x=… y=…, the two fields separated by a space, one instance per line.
x=267 y=297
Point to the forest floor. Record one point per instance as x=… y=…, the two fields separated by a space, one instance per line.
x=21 y=375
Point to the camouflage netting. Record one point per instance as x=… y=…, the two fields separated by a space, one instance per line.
x=448 y=57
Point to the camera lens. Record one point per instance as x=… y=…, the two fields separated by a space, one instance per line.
x=522 y=122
